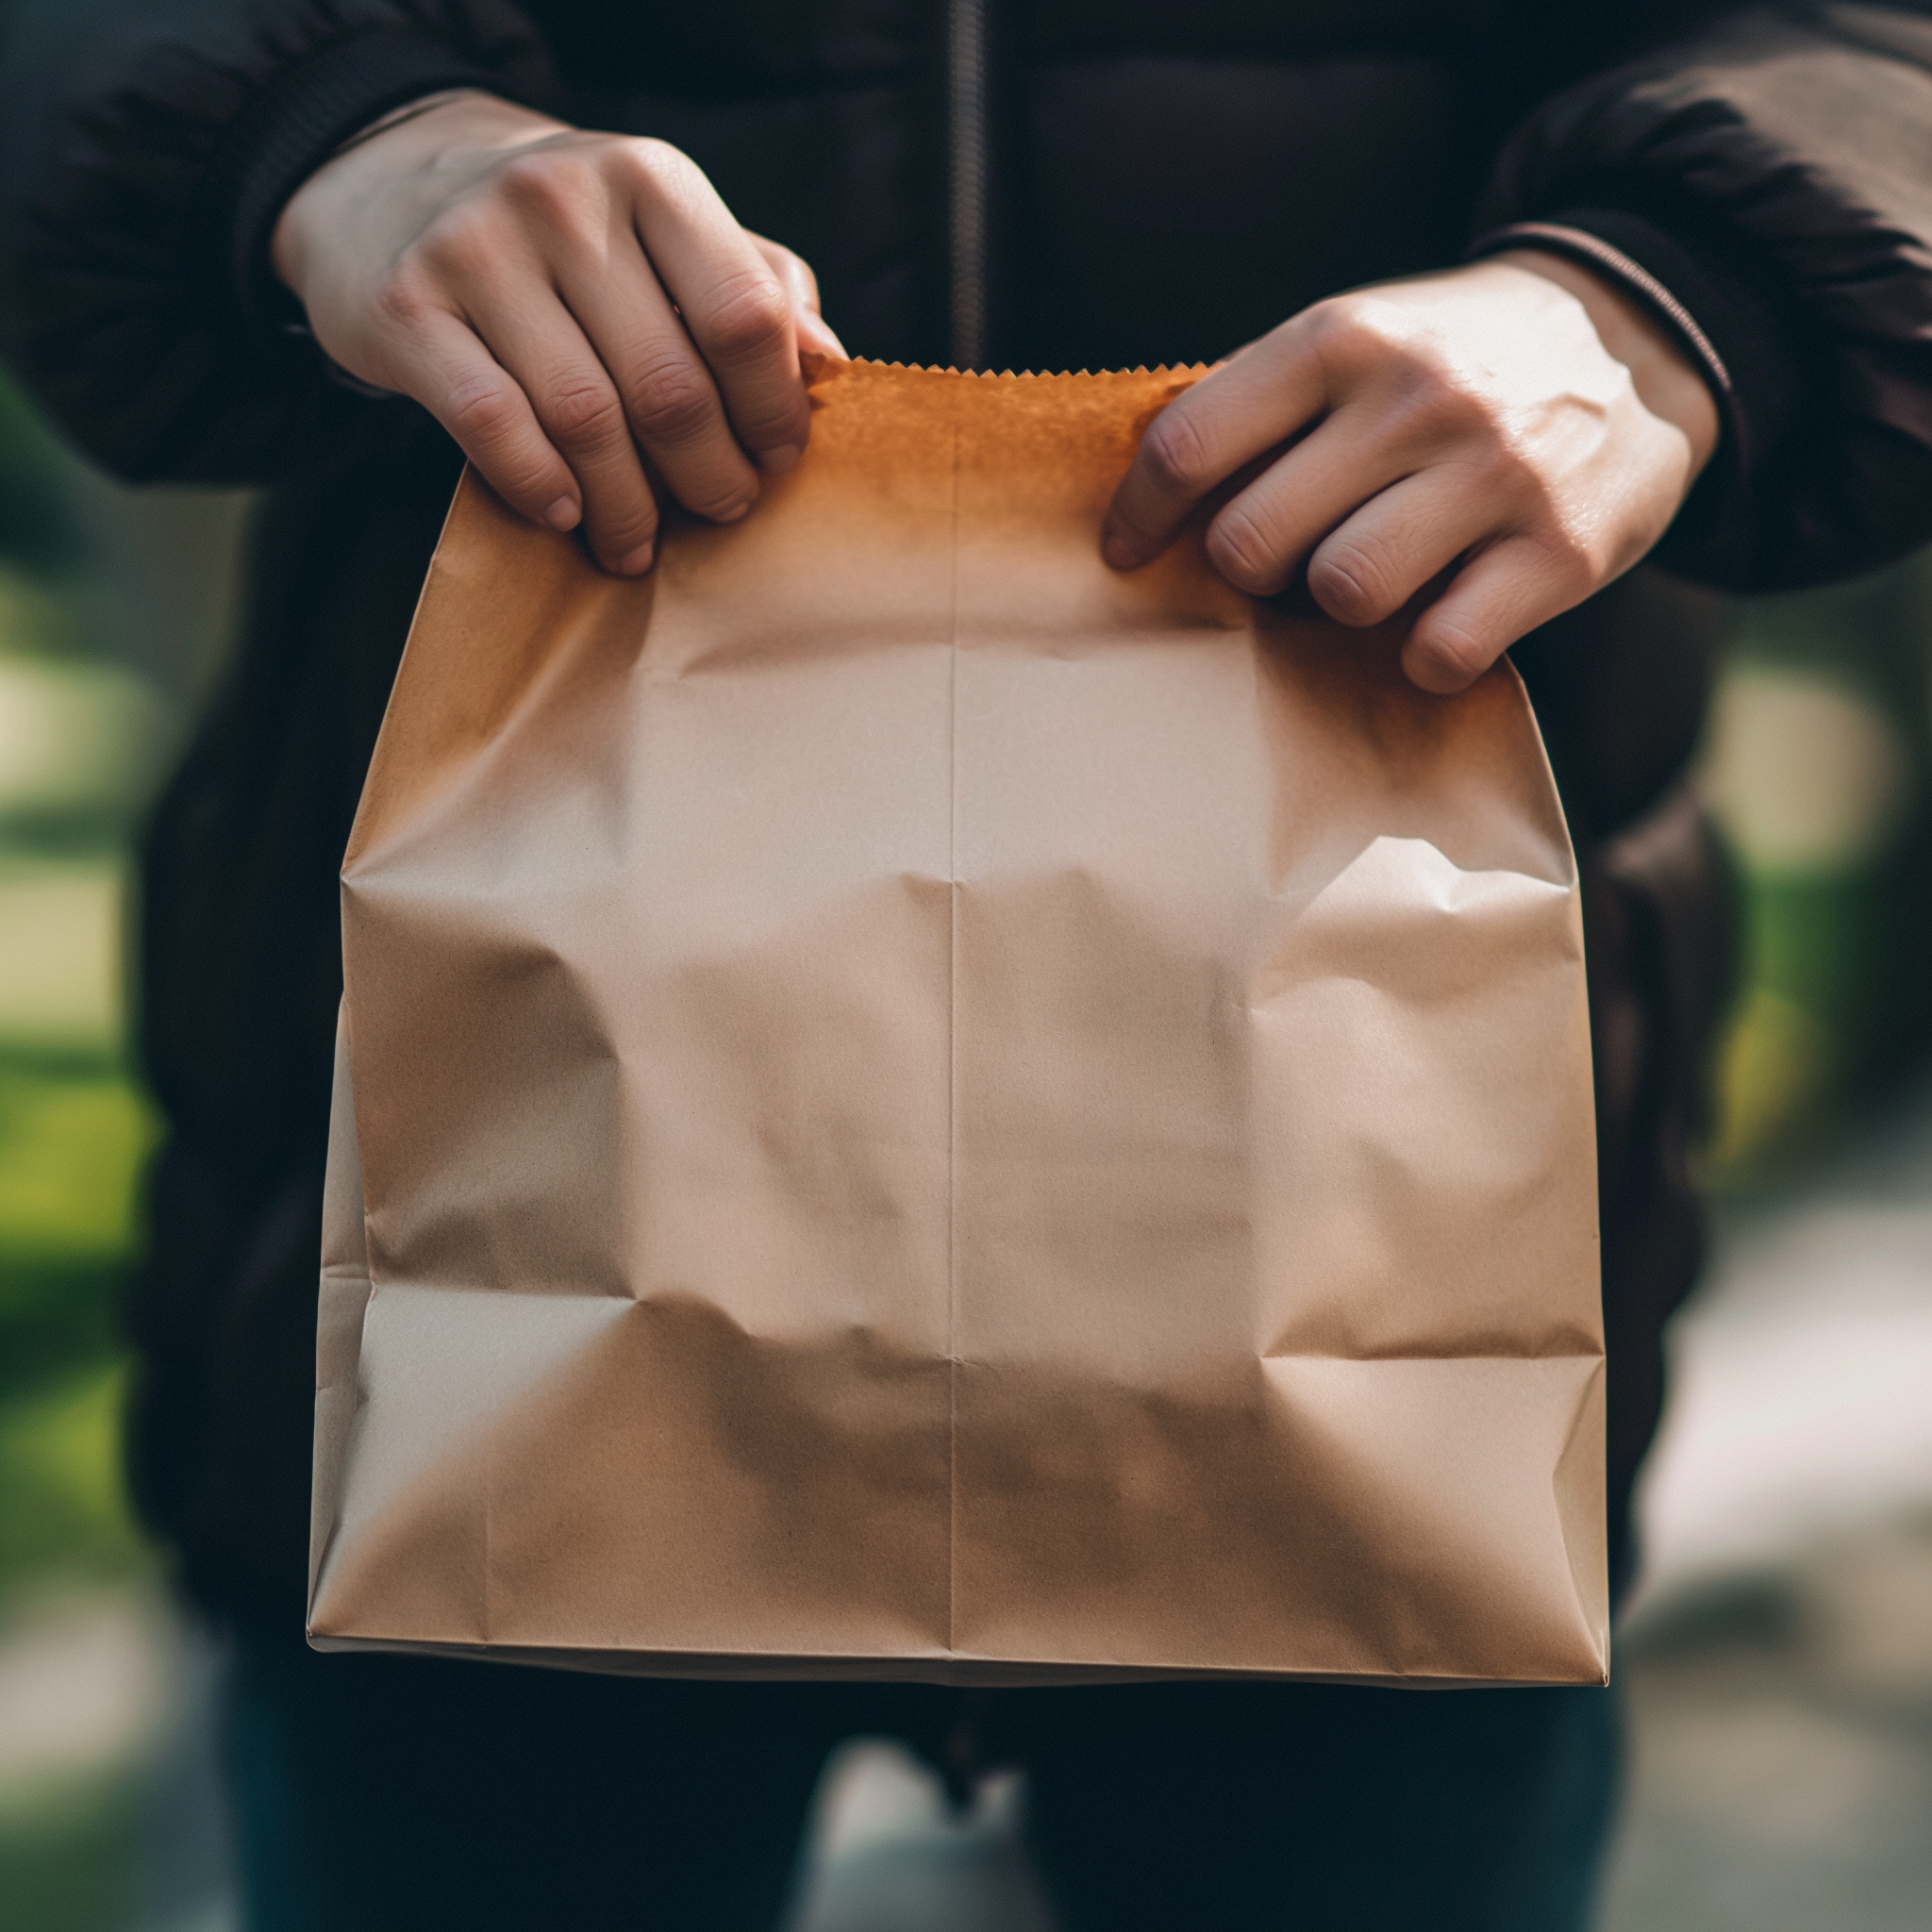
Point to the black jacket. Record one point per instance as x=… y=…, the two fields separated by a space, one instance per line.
x=1105 y=182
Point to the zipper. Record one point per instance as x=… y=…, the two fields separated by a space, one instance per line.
x=967 y=178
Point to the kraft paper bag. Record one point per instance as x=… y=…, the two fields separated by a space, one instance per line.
x=913 y=1106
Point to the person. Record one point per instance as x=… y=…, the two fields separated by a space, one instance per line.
x=1529 y=295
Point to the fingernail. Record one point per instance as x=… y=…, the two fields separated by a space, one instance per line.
x=1118 y=551
x=563 y=514
x=638 y=562
x=780 y=460
x=731 y=515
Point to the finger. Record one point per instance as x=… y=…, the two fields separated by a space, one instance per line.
x=1500 y=594
x=447 y=369
x=538 y=340
x=1367 y=569
x=1260 y=539
x=737 y=310
x=1201 y=439
x=670 y=401
x=815 y=335
x=814 y=332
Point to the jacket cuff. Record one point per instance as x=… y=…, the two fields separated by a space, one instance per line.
x=1723 y=323
x=288 y=131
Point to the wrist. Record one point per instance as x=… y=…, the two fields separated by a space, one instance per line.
x=372 y=159
x=1669 y=384
x=409 y=111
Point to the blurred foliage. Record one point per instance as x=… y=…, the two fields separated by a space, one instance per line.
x=74 y=1130
x=1817 y=768
x=114 y=607
x=71 y=1147
x=60 y=1472
x=79 y=740
x=40 y=528
x=64 y=1862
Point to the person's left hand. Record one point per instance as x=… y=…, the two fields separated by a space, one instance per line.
x=1517 y=427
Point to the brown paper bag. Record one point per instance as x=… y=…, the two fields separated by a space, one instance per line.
x=911 y=1107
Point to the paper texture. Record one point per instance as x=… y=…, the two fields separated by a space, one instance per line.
x=922 y=1109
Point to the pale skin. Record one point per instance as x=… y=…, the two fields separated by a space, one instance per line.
x=1483 y=447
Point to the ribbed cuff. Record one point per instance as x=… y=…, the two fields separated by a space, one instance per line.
x=1719 y=318
x=289 y=129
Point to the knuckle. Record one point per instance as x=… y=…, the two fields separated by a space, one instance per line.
x=662 y=174
x=1176 y=456
x=622 y=529
x=1350 y=329
x=674 y=403
x=1508 y=468
x=1439 y=395
x=402 y=297
x=544 y=179
x=1542 y=508
x=1351 y=582
x=481 y=410
x=656 y=160
x=554 y=194
x=801 y=271
x=751 y=317
x=1454 y=648
x=1576 y=554
x=1244 y=552
x=718 y=501
x=461 y=241
x=582 y=412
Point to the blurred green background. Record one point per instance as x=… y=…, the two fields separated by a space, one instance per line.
x=113 y=609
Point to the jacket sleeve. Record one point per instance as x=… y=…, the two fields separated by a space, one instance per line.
x=1767 y=184
x=146 y=147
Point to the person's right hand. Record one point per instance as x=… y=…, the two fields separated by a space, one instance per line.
x=567 y=305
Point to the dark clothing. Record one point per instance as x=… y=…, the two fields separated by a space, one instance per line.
x=1158 y=183
x=387 y=1794
x=1165 y=182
